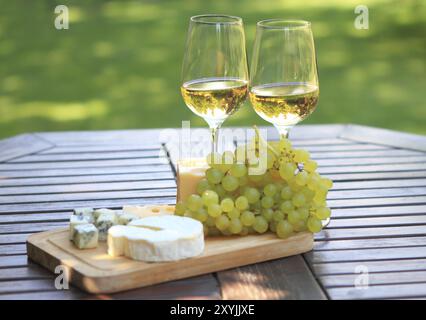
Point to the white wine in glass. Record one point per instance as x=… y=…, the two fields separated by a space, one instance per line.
x=214 y=73
x=284 y=86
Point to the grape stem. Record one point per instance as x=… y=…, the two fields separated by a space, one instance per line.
x=261 y=140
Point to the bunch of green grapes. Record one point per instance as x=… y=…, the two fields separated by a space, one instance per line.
x=289 y=197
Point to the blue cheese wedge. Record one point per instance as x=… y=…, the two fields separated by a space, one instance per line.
x=75 y=221
x=85 y=212
x=157 y=238
x=105 y=220
x=85 y=236
x=98 y=212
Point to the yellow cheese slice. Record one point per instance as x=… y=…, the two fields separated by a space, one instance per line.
x=149 y=210
x=189 y=173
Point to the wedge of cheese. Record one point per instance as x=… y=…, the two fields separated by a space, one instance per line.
x=159 y=238
x=189 y=173
x=149 y=210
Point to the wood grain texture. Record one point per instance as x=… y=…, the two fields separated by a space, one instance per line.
x=96 y=272
x=378 y=206
x=21 y=145
x=284 y=279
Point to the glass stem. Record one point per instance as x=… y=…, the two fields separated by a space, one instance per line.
x=215 y=133
x=283 y=131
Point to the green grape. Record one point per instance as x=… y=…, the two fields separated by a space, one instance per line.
x=214 y=176
x=222 y=222
x=303 y=213
x=226 y=232
x=284 y=229
x=260 y=224
x=301 y=178
x=308 y=193
x=214 y=210
x=227 y=204
x=214 y=232
x=294 y=217
x=180 y=208
x=278 y=216
x=267 y=202
x=247 y=218
x=300 y=226
x=313 y=181
x=243 y=181
x=273 y=226
x=327 y=183
x=220 y=191
x=241 y=203
x=287 y=170
x=188 y=214
x=209 y=197
x=252 y=195
x=319 y=199
x=210 y=222
x=286 y=206
x=286 y=193
x=201 y=215
x=235 y=213
x=301 y=155
x=270 y=190
x=299 y=200
x=314 y=225
x=194 y=202
x=214 y=159
x=310 y=166
x=238 y=170
x=244 y=231
x=322 y=213
x=202 y=186
x=255 y=178
x=268 y=214
x=235 y=226
x=230 y=183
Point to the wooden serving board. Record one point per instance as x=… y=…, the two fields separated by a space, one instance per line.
x=94 y=271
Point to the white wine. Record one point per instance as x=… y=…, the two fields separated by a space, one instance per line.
x=284 y=104
x=214 y=98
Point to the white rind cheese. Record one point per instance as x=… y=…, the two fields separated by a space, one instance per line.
x=155 y=239
x=85 y=236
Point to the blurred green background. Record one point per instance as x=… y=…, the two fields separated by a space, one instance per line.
x=118 y=66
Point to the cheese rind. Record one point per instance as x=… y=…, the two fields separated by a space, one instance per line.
x=154 y=239
x=189 y=173
x=85 y=236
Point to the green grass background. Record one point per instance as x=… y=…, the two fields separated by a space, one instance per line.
x=118 y=66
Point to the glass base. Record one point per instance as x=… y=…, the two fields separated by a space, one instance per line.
x=283 y=130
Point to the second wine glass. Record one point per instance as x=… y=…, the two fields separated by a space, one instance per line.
x=284 y=87
x=214 y=73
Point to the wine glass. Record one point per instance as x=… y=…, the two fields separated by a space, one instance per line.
x=214 y=73
x=284 y=87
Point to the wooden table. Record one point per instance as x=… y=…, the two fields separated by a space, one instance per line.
x=378 y=202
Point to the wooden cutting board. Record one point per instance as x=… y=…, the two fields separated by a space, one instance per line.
x=94 y=271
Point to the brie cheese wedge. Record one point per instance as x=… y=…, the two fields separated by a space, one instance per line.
x=159 y=238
